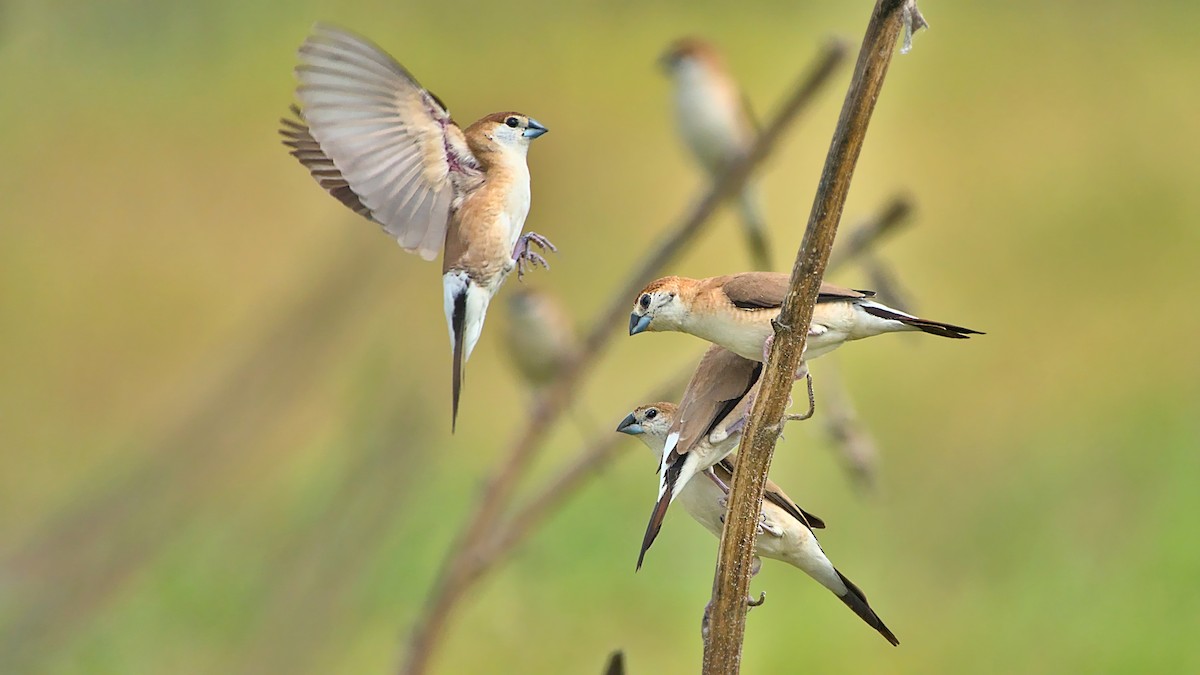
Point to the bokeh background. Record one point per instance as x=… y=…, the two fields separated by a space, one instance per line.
x=224 y=400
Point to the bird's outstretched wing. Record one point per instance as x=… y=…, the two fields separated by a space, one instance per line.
x=368 y=127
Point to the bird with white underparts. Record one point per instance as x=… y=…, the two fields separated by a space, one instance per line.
x=387 y=148
x=715 y=122
x=785 y=530
x=700 y=435
x=736 y=312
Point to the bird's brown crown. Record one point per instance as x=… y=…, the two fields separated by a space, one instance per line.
x=693 y=47
x=663 y=407
x=671 y=283
x=500 y=117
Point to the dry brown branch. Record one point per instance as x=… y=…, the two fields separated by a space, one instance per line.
x=454 y=578
x=723 y=648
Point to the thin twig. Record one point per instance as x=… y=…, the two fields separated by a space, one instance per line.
x=867 y=235
x=723 y=648
x=854 y=444
x=586 y=464
x=450 y=585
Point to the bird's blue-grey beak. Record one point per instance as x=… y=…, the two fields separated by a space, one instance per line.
x=637 y=323
x=534 y=129
x=629 y=426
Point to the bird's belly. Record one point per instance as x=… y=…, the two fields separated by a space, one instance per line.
x=744 y=338
x=515 y=214
x=701 y=499
x=707 y=129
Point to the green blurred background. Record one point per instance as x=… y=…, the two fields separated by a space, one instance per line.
x=224 y=412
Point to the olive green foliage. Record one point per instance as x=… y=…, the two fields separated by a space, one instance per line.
x=224 y=400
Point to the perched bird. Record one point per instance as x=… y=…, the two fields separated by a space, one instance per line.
x=387 y=148
x=735 y=311
x=716 y=124
x=785 y=529
x=541 y=339
x=701 y=433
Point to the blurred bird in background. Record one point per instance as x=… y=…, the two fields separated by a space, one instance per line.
x=716 y=124
x=540 y=336
x=387 y=148
x=785 y=530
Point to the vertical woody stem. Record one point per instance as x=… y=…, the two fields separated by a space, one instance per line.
x=723 y=649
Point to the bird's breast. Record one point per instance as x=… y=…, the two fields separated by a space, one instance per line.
x=707 y=123
x=740 y=331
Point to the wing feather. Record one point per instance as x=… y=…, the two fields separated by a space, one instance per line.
x=378 y=141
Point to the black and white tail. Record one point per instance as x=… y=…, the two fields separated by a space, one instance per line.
x=932 y=327
x=856 y=600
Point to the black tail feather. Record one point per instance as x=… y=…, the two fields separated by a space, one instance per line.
x=655 y=524
x=458 y=319
x=856 y=600
x=948 y=330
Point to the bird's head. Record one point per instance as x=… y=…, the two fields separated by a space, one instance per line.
x=686 y=52
x=510 y=130
x=650 y=423
x=658 y=307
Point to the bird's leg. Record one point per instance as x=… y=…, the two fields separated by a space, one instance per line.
x=524 y=254
x=763 y=526
x=751 y=603
x=812 y=399
x=720 y=483
x=801 y=372
x=768 y=528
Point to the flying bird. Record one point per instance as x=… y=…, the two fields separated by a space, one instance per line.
x=702 y=431
x=387 y=148
x=785 y=530
x=735 y=311
x=715 y=122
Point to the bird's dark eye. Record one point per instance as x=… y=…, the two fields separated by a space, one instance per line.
x=645 y=301
x=512 y=122
x=651 y=414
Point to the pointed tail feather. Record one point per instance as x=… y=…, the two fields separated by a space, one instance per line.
x=655 y=525
x=948 y=330
x=856 y=600
x=666 y=494
x=457 y=321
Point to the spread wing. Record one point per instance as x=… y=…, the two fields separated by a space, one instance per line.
x=766 y=290
x=718 y=386
x=368 y=129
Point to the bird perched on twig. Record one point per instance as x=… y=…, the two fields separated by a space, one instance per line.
x=785 y=530
x=715 y=122
x=387 y=148
x=703 y=429
x=736 y=311
x=541 y=339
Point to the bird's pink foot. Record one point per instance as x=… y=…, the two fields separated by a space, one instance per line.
x=524 y=255
x=720 y=483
